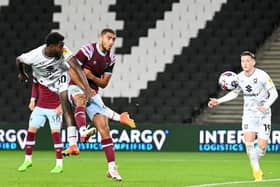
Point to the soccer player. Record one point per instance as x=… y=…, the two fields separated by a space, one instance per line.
x=51 y=63
x=48 y=108
x=97 y=61
x=259 y=94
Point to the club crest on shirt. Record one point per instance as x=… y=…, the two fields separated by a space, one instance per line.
x=255 y=80
x=66 y=51
x=94 y=62
x=106 y=65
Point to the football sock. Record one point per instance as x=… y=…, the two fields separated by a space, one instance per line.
x=112 y=114
x=80 y=116
x=28 y=158
x=108 y=148
x=72 y=135
x=111 y=164
x=30 y=142
x=260 y=152
x=58 y=146
x=252 y=154
x=59 y=162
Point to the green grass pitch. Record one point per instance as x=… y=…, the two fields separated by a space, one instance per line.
x=138 y=169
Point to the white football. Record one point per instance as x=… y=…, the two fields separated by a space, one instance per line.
x=228 y=80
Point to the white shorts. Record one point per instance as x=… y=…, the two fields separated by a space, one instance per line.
x=260 y=125
x=39 y=117
x=92 y=108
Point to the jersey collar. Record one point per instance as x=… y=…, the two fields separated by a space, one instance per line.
x=99 y=50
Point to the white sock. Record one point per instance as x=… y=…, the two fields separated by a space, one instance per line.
x=59 y=162
x=252 y=154
x=260 y=153
x=82 y=130
x=111 y=165
x=28 y=157
x=72 y=135
x=112 y=114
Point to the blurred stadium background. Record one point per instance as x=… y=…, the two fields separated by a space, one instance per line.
x=170 y=52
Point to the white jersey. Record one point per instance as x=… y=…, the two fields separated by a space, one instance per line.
x=46 y=70
x=255 y=92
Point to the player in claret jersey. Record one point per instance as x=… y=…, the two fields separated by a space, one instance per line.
x=98 y=62
x=44 y=105
x=51 y=63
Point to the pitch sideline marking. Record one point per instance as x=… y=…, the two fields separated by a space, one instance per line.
x=234 y=182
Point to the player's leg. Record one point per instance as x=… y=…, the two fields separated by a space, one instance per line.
x=77 y=97
x=249 y=127
x=36 y=121
x=123 y=118
x=263 y=137
x=58 y=147
x=55 y=122
x=100 y=119
x=264 y=132
x=71 y=128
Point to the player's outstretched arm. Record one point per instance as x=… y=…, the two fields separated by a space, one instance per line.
x=228 y=97
x=100 y=82
x=213 y=102
x=22 y=75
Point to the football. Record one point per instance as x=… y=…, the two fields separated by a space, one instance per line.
x=228 y=81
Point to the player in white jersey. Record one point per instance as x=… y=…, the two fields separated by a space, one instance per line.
x=259 y=94
x=51 y=63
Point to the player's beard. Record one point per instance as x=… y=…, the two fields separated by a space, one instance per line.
x=104 y=48
x=58 y=55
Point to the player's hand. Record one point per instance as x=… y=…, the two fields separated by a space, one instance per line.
x=23 y=77
x=32 y=104
x=58 y=110
x=90 y=92
x=262 y=108
x=213 y=102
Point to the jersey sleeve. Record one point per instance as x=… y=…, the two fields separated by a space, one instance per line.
x=35 y=89
x=109 y=69
x=67 y=55
x=85 y=53
x=267 y=81
x=28 y=58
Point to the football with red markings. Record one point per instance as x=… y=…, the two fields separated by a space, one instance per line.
x=228 y=80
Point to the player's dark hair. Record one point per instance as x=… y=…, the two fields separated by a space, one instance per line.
x=54 y=38
x=248 y=53
x=104 y=31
